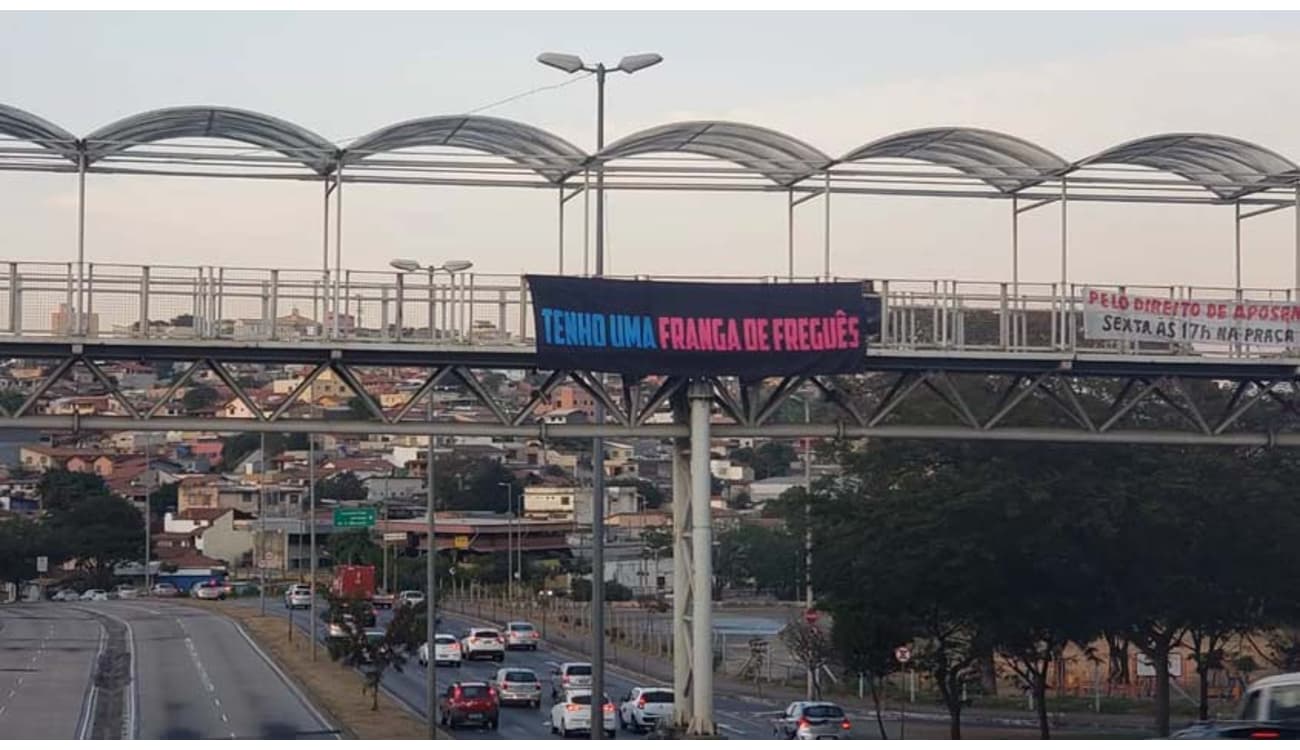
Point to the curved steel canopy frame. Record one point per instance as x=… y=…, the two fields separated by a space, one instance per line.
x=471 y=150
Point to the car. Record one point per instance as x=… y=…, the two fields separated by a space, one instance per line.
x=573 y=715
x=94 y=595
x=337 y=624
x=515 y=685
x=165 y=590
x=411 y=598
x=298 y=596
x=570 y=675
x=521 y=635
x=1270 y=710
x=482 y=642
x=65 y=595
x=645 y=707
x=470 y=703
x=242 y=588
x=813 y=720
x=126 y=591
x=208 y=590
x=447 y=650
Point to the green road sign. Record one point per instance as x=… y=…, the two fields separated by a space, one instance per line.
x=354 y=517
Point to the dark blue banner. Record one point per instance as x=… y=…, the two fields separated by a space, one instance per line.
x=683 y=328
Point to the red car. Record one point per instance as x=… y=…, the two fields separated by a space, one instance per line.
x=470 y=703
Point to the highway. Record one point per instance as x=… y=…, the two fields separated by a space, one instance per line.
x=47 y=660
x=740 y=717
x=188 y=674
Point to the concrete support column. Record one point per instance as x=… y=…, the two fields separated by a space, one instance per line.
x=701 y=399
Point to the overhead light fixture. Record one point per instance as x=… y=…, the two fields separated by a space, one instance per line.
x=456 y=266
x=633 y=63
x=567 y=63
x=405 y=264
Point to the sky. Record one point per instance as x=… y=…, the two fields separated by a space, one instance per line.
x=1075 y=83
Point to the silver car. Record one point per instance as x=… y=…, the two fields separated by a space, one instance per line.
x=813 y=720
x=515 y=685
x=522 y=635
x=569 y=676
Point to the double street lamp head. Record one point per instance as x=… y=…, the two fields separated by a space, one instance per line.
x=411 y=266
x=573 y=63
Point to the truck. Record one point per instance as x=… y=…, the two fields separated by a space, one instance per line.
x=1270 y=710
x=353 y=582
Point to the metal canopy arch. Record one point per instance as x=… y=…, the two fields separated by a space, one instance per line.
x=1227 y=167
x=1004 y=162
x=781 y=158
x=23 y=125
x=547 y=154
x=293 y=141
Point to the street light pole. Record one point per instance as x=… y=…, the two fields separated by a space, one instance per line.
x=573 y=64
x=430 y=585
x=311 y=586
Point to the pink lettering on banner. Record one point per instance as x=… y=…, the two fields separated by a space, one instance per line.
x=664 y=336
x=764 y=341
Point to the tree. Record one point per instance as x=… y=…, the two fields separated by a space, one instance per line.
x=768 y=559
x=354 y=547
x=101 y=532
x=60 y=489
x=740 y=501
x=864 y=641
x=344 y=485
x=22 y=540
x=810 y=646
x=357 y=409
x=475 y=484
x=373 y=655
x=199 y=397
x=164 y=499
x=11 y=400
x=770 y=459
x=649 y=494
x=235 y=447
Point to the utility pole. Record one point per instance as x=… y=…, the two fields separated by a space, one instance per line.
x=431 y=587
x=261 y=523
x=148 y=511
x=311 y=585
x=810 y=677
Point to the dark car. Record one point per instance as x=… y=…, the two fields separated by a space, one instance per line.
x=470 y=703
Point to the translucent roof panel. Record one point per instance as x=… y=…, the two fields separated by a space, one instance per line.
x=17 y=123
x=1227 y=167
x=778 y=157
x=545 y=153
x=293 y=141
x=1003 y=161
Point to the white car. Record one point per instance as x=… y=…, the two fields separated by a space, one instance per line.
x=208 y=590
x=410 y=599
x=126 y=591
x=446 y=650
x=644 y=707
x=298 y=596
x=94 y=595
x=483 y=642
x=569 y=676
x=66 y=595
x=573 y=715
x=522 y=635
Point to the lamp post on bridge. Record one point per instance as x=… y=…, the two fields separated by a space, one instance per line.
x=451 y=267
x=629 y=65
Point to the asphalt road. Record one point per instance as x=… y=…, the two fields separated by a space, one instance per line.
x=47 y=660
x=740 y=717
x=198 y=677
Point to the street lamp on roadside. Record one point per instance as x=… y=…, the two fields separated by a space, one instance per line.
x=573 y=64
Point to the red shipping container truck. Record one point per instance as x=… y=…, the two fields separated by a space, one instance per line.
x=353 y=582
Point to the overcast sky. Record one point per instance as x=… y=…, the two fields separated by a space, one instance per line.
x=1074 y=83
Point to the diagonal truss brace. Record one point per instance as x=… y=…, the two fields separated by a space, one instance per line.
x=112 y=388
x=597 y=390
x=538 y=396
x=468 y=379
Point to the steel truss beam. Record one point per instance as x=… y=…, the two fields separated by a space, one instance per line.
x=1143 y=407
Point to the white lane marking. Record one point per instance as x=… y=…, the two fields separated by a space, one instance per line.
x=2 y=710
x=198 y=664
x=225 y=718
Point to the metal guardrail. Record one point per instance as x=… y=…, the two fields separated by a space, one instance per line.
x=108 y=301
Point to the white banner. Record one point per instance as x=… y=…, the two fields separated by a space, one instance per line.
x=1111 y=316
